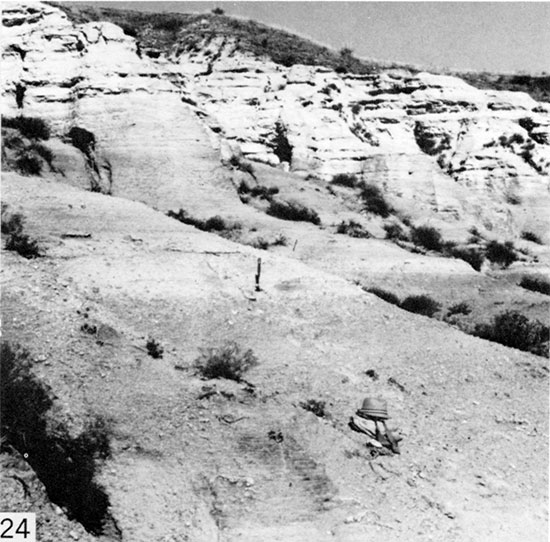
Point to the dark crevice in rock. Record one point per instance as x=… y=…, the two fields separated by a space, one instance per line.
x=20 y=94
x=66 y=464
x=281 y=147
x=16 y=49
x=100 y=174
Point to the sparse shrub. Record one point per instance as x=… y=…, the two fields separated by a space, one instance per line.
x=346 y=60
x=185 y=217
x=317 y=407
x=513 y=329
x=395 y=232
x=373 y=374
x=473 y=256
x=353 y=229
x=11 y=223
x=420 y=304
x=475 y=235
x=30 y=127
x=374 y=200
x=502 y=254
x=242 y=165
x=218 y=11
x=264 y=192
x=459 y=308
x=288 y=59
x=530 y=236
x=228 y=361
x=167 y=22
x=345 y=179
x=512 y=199
x=29 y=164
x=288 y=210
x=215 y=223
x=277 y=436
x=527 y=123
x=90 y=329
x=427 y=237
x=154 y=349
x=49 y=447
x=263 y=244
x=346 y=52
x=535 y=284
x=43 y=151
x=281 y=240
x=129 y=30
x=356 y=109
x=243 y=188
x=389 y=297
x=12 y=141
x=260 y=243
x=12 y=226
x=24 y=399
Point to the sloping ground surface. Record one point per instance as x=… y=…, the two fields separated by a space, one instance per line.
x=474 y=414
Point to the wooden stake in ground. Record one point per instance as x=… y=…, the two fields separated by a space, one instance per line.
x=259 y=271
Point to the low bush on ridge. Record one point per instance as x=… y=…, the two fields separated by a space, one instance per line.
x=290 y=210
x=458 y=308
x=427 y=237
x=259 y=191
x=535 y=284
x=420 y=304
x=513 y=329
x=30 y=127
x=345 y=179
x=17 y=241
x=229 y=361
x=353 y=229
x=213 y=224
x=530 y=236
x=502 y=254
x=28 y=164
x=374 y=200
x=315 y=406
x=395 y=232
x=472 y=256
x=389 y=297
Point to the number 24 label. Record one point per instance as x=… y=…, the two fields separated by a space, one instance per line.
x=17 y=527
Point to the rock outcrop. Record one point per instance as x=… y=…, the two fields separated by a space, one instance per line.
x=434 y=143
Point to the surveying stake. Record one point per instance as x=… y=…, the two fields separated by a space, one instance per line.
x=258 y=273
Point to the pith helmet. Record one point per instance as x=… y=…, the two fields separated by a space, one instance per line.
x=374 y=408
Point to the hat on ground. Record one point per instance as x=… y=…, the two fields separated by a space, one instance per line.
x=374 y=408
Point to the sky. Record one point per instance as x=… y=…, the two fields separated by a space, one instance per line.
x=502 y=37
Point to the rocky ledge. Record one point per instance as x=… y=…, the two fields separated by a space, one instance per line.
x=430 y=141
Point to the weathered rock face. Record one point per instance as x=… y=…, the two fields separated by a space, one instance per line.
x=90 y=76
x=434 y=143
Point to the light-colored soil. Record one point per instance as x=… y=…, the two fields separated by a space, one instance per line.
x=474 y=414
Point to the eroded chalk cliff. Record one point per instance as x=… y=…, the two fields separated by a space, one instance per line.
x=433 y=143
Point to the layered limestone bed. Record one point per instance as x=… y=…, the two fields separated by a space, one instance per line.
x=433 y=143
